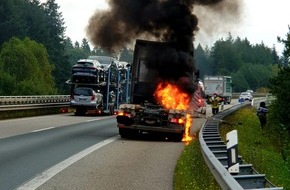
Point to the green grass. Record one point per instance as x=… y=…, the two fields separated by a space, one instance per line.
x=260 y=148
x=191 y=172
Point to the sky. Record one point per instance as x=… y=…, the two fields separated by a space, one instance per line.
x=262 y=21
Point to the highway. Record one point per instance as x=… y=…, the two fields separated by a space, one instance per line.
x=71 y=152
x=25 y=155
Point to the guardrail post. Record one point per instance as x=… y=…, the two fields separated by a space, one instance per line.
x=232 y=152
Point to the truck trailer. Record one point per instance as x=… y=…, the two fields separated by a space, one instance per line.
x=97 y=85
x=222 y=85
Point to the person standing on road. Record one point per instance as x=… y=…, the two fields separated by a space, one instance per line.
x=262 y=114
x=214 y=100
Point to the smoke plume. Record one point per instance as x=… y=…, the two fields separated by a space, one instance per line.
x=166 y=20
x=163 y=20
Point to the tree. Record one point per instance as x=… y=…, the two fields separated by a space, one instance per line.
x=85 y=46
x=202 y=62
x=75 y=52
x=42 y=23
x=280 y=86
x=225 y=57
x=12 y=22
x=25 y=69
x=126 y=55
x=250 y=65
x=55 y=45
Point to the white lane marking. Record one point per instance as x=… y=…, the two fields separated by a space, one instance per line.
x=42 y=129
x=48 y=174
x=100 y=118
x=93 y=120
x=97 y=119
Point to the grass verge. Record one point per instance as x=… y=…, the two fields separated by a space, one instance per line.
x=191 y=172
x=258 y=147
x=262 y=148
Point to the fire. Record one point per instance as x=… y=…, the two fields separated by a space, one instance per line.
x=187 y=136
x=171 y=97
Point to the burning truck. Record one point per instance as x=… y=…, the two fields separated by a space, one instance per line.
x=163 y=72
x=159 y=103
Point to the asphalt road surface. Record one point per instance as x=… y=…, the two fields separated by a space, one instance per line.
x=65 y=152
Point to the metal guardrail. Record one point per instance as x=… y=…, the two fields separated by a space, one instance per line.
x=215 y=155
x=20 y=100
x=14 y=100
x=14 y=103
x=4 y=108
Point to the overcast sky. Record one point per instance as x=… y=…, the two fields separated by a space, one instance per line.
x=263 y=20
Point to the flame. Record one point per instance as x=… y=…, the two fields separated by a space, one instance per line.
x=188 y=124
x=171 y=97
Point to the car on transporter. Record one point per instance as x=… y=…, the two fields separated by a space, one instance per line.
x=84 y=99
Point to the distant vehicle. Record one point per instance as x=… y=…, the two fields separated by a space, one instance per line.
x=222 y=85
x=250 y=91
x=84 y=99
x=246 y=96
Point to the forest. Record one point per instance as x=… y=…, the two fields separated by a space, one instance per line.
x=36 y=57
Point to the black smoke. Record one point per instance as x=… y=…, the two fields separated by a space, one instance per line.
x=172 y=65
x=170 y=21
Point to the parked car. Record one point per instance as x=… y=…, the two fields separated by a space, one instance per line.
x=84 y=99
x=246 y=96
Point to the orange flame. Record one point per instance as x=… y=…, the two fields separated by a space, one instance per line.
x=171 y=97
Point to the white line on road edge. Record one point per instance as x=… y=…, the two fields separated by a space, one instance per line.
x=46 y=175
